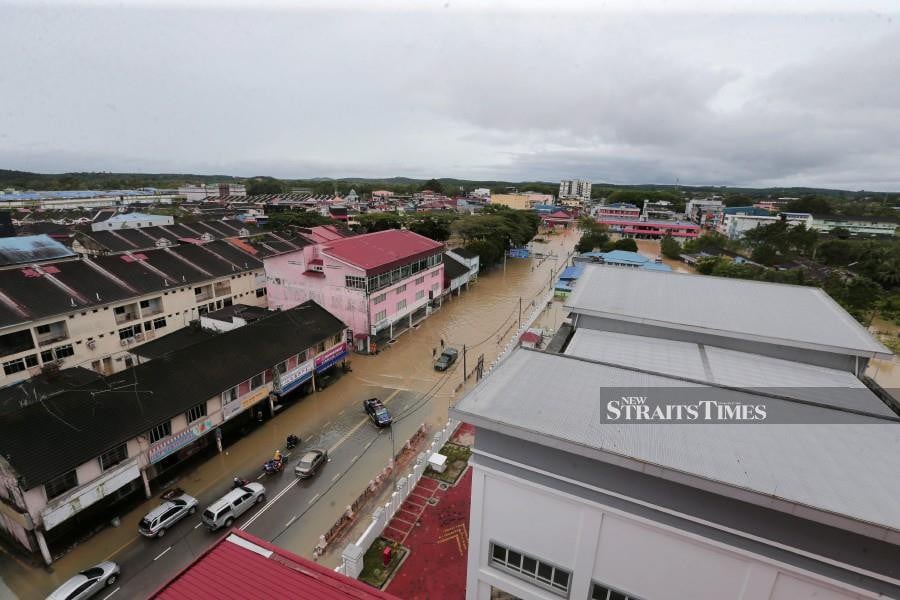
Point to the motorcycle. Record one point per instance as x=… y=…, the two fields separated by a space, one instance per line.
x=238 y=482
x=292 y=441
x=274 y=466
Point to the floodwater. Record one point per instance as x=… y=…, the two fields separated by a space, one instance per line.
x=481 y=319
x=650 y=248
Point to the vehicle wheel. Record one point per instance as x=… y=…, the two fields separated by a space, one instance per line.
x=228 y=522
x=161 y=532
x=192 y=510
x=112 y=579
x=261 y=498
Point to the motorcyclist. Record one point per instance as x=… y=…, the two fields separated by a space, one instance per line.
x=238 y=482
x=277 y=458
x=293 y=441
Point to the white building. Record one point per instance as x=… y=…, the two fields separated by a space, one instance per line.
x=133 y=220
x=734 y=226
x=569 y=501
x=575 y=188
x=483 y=193
x=858 y=226
x=198 y=193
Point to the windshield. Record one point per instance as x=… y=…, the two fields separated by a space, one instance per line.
x=382 y=412
x=93 y=572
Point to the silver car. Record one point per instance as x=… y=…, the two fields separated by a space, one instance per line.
x=232 y=505
x=155 y=523
x=310 y=462
x=88 y=582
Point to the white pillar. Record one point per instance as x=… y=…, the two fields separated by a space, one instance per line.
x=146 y=484
x=42 y=544
x=352 y=557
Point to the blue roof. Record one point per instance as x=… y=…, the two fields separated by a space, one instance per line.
x=653 y=266
x=746 y=210
x=30 y=249
x=621 y=205
x=573 y=272
x=72 y=194
x=548 y=208
x=624 y=257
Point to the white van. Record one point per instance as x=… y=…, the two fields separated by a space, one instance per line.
x=232 y=505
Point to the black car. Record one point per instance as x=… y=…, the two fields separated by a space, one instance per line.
x=310 y=462
x=377 y=411
x=447 y=358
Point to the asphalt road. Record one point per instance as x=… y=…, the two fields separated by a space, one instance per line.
x=295 y=511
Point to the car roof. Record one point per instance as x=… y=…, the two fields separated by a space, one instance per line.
x=159 y=510
x=68 y=587
x=232 y=494
x=312 y=453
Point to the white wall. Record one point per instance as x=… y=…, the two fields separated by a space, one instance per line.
x=602 y=544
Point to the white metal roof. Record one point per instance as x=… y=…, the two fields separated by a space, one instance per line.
x=728 y=367
x=790 y=315
x=845 y=473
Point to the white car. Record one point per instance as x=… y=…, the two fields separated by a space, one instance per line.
x=88 y=582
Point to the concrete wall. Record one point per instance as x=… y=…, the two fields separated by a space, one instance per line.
x=813 y=357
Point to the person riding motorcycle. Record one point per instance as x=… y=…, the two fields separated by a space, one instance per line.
x=277 y=457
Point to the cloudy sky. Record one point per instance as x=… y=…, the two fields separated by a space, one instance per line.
x=700 y=92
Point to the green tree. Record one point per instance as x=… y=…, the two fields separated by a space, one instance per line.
x=435 y=228
x=433 y=185
x=488 y=253
x=626 y=244
x=765 y=254
x=264 y=185
x=669 y=247
x=373 y=222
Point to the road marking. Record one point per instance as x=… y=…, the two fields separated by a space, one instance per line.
x=267 y=505
x=314 y=498
x=288 y=524
x=161 y=553
x=325 y=426
x=358 y=425
x=341 y=414
x=336 y=477
x=198 y=524
x=352 y=459
x=261 y=475
x=109 y=595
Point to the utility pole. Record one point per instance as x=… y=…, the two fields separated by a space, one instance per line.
x=520 y=312
x=465 y=372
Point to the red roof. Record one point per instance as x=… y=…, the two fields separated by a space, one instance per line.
x=383 y=250
x=241 y=566
x=530 y=336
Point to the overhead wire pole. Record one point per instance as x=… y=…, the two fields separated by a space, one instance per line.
x=465 y=372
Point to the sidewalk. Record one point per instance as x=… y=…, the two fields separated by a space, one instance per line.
x=434 y=524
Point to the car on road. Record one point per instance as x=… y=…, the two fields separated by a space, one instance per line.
x=310 y=462
x=157 y=521
x=378 y=412
x=232 y=505
x=447 y=358
x=87 y=583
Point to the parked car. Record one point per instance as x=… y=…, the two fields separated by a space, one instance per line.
x=447 y=358
x=310 y=462
x=157 y=521
x=88 y=582
x=377 y=411
x=232 y=505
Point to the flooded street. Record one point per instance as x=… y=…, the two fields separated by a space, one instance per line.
x=480 y=319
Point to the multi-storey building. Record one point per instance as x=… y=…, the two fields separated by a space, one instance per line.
x=379 y=283
x=617 y=209
x=69 y=457
x=579 y=500
x=857 y=226
x=575 y=188
x=736 y=223
x=705 y=212
x=194 y=193
x=641 y=228
x=132 y=220
x=91 y=311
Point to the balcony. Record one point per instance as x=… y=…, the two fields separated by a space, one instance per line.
x=51 y=333
x=126 y=313
x=61 y=508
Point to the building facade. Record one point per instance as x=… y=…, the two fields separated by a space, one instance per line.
x=857 y=226
x=379 y=283
x=735 y=225
x=650 y=229
x=617 y=210
x=198 y=193
x=575 y=188
x=132 y=220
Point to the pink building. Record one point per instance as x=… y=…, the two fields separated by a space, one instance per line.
x=379 y=284
x=618 y=210
x=650 y=229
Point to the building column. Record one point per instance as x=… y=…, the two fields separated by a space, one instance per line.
x=42 y=544
x=272 y=405
x=146 y=484
x=219 y=439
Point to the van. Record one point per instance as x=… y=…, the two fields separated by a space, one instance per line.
x=157 y=521
x=232 y=505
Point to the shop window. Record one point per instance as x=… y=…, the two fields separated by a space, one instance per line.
x=112 y=457
x=160 y=431
x=61 y=484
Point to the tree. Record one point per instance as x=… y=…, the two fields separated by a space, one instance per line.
x=264 y=185
x=764 y=254
x=842 y=233
x=811 y=204
x=669 y=247
x=626 y=244
x=433 y=185
x=380 y=221
x=432 y=227
x=488 y=253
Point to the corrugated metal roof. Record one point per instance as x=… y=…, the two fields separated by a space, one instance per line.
x=789 y=315
x=843 y=469
x=30 y=249
x=728 y=367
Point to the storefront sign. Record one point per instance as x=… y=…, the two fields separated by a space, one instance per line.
x=289 y=380
x=233 y=408
x=178 y=441
x=331 y=356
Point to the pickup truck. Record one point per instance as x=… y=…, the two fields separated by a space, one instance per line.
x=377 y=411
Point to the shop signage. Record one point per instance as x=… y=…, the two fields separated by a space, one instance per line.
x=233 y=408
x=331 y=356
x=178 y=441
x=289 y=380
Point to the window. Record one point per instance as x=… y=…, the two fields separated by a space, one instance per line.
x=401 y=289
x=159 y=323
x=20 y=364
x=230 y=395
x=420 y=280
x=47 y=356
x=380 y=316
x=145 y=304
x=13 y=343
x=531 y=569
x=64 y=351
x=434 y=288
x=43 y=329
x=197 y=411
x=354 y=282
x=129 y=332
x=435 y=274
x=420 y=294
x=257 y=381
x=61 y=484
x=260 y=292
x=119 y=310
x=160 y=431
x=602 y=592
x=112 y=457
x=379 y=298
x=401 y=305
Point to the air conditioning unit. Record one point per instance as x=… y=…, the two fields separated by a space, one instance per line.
x=123 y=342
x=91 y=344
x=149 y=335
x=139 y=337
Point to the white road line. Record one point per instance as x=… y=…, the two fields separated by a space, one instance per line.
x=341 y=414
x=161 y=553
x=198 y=524
x=325 y=426
x=358 y=425
x=314 y=498
x=261 y=475
x=109 y=595
x=336 y=477
x=267 y=505
x=288 y=524
x=354 y=458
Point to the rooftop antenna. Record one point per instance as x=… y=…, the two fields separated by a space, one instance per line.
x=72 y=300
x=97 y=294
